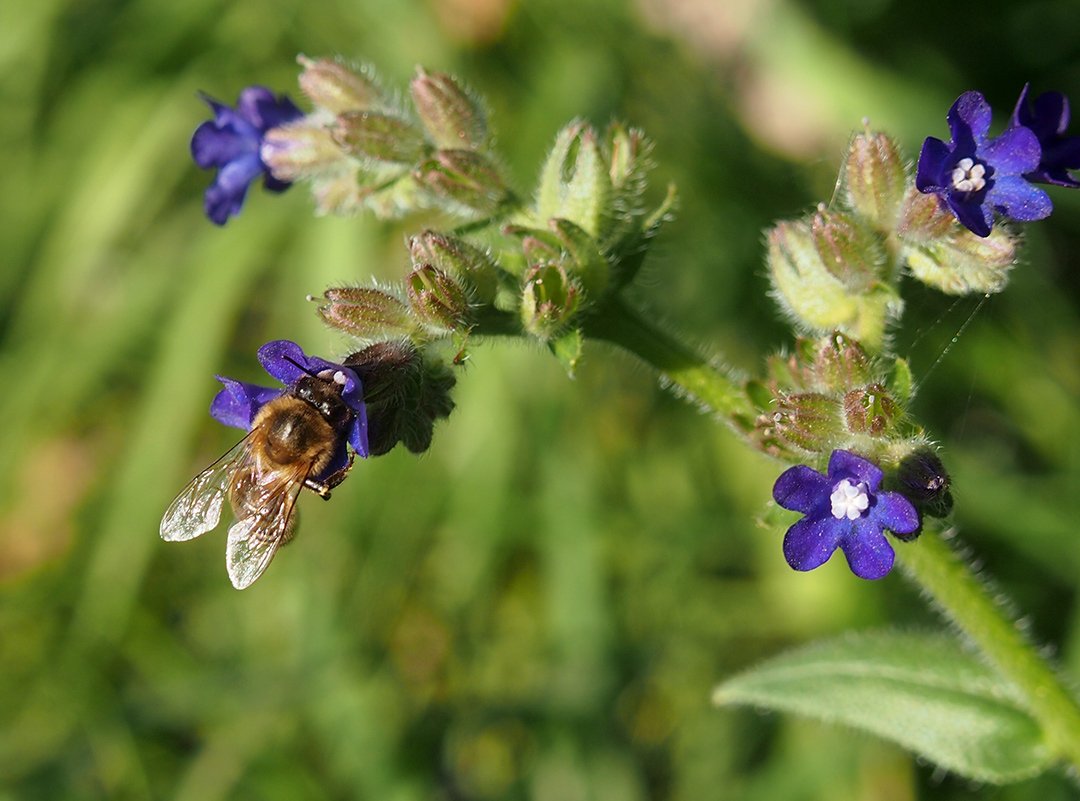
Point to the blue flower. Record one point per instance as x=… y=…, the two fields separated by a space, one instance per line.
x=975 y=176
x=230 y=142
x=237 y=404
x=843 y=510
x=1048 y=120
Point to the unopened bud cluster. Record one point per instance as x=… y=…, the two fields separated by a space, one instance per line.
x=361 y=147
x=839 y=268
x=831 y=394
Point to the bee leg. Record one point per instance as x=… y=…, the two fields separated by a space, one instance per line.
x=322 y=488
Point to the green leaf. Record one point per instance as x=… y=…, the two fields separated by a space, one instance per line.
x=922 y=691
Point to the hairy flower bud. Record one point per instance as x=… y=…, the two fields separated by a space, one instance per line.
x=874 y=179
x=923 y=479
x=332 y=86
x=808 y=420
x=840 y=363
x=870 y=410
x=453 y=118
x=943 y=254
x=549 y=300
x=816 y=298
x=366 y=313
x=404 y=395
x=380 y=138
x=437 y=300
x=302 y=149
x=456 y=257
x=575 y=183
x=463 y=178
x=849 y=250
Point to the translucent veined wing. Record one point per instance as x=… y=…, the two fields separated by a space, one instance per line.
x=266 y=522
x=197 y=509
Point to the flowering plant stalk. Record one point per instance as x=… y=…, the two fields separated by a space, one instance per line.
x=859 y=471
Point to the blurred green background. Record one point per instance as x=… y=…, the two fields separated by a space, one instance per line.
x=539 y=607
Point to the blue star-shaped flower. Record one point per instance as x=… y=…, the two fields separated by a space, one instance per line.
x=238 y=403
x=975 y=176
x=1048 y=119
x=230 y=142
x=843 y=510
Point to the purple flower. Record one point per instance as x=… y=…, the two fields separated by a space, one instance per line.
x=237 y=404
x=1048 y=120
x=843 y=510
x=231 y=141
x=975 y=176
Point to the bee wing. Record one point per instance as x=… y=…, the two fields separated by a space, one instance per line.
x=266 y=524
x=197 y=509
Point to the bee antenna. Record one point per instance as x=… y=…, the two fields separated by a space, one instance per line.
x=300 y=367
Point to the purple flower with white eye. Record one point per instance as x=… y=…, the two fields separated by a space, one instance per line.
x=975 y=176
x=1048 y=119
x=239 y=402
x=844 y=510
x=230 y=142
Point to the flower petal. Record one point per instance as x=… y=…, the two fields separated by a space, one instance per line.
x=1015 y=152
x=1051 y=114
x=801 y=489
x=225 y=196
x=215 y=146
x=1016 y=198
x=935 y=160
x=895 y=512
x=263 y=110
x=237 y=404
x=358 y=434
x=810 y=542
x=845 y=464
x=973 y=215
x=969 y=119
x=285 y=361
x=869 y=554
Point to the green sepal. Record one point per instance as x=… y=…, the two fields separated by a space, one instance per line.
x=567 y=348
x=575 y=182
x=901 y=381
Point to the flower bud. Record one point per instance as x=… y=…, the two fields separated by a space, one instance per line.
x=961 y=263
x=814 y=297
x=366 y=313
x=808 y=420
x=840 y=363
x=437 y=300
x=451 y=116
x=575 y=183
x=850 y=251
x=331 y=86
x=456 y=257
x=874 y=179
x=464 y=178
x=870 y=410
x=549 y=300
x=378 y=137
x=926 y=483
x=585 y=260
x=302 y=149
x=404 y=394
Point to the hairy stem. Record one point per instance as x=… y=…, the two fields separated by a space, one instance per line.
x=679 y=364
x=964 y=600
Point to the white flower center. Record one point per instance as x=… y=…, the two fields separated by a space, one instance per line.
x=968 y=176
x=849 y=500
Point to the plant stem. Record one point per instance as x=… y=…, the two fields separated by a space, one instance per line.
x=930 y=562
x=679 y=364
x=965 y=600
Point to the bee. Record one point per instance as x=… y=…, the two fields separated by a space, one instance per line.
x=294 y=439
